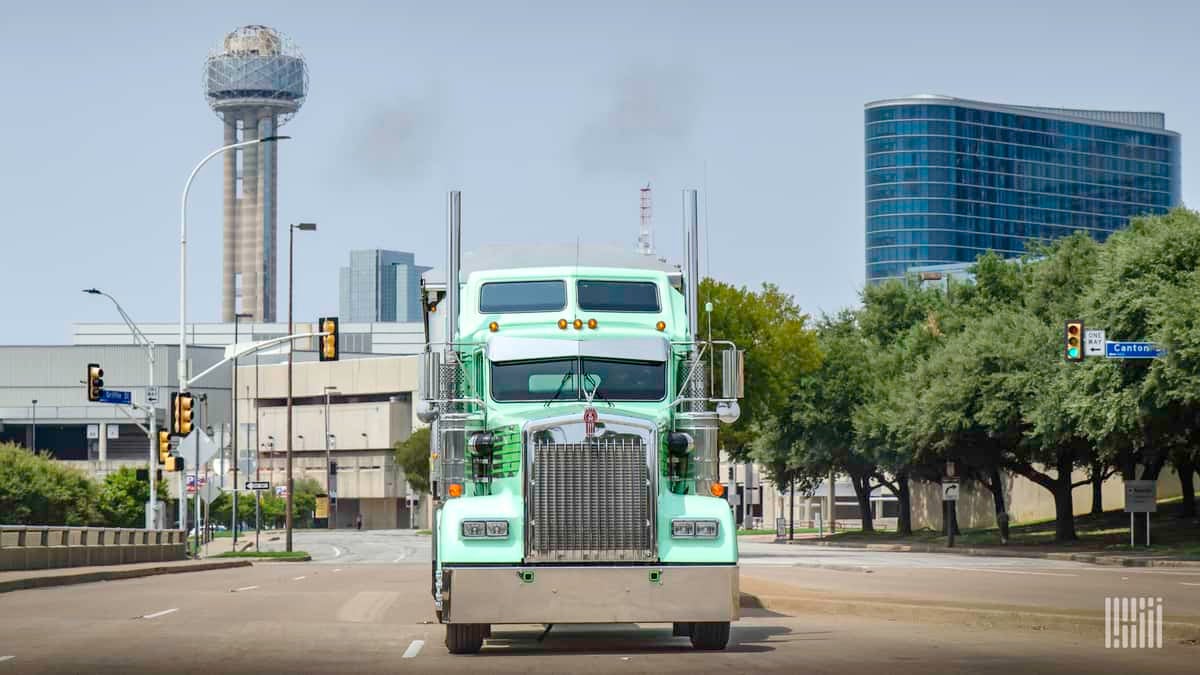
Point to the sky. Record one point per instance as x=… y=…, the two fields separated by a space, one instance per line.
x=548 y=116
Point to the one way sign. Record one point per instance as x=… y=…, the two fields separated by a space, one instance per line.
x=258 y=485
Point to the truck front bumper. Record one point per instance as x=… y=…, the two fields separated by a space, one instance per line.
x=590 y=594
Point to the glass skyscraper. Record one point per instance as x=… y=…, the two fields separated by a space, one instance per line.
x=380 y=285
x=948 y=179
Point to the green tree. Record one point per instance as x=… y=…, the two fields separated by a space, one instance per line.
x=122 y=498
x=412 y=454
x=36 y=490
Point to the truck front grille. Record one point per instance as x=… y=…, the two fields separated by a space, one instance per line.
x=590 y=501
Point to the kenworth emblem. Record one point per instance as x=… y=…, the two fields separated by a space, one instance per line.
x=589 y=421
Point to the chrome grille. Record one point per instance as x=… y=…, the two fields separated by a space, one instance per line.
x=590 y=501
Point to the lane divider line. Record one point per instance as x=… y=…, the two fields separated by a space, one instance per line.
x=337 y=552
x=297 y=578
x=1038 y=574
x=413 y=649
x=338 y=570
x=1184 y=583
x=243 y=588
x=6 y=658
x=158 y=614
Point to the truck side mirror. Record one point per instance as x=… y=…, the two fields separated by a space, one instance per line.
x=430 y=381
x=733 y=376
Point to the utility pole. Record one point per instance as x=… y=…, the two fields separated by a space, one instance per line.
x=307 y=227
x=331 y=516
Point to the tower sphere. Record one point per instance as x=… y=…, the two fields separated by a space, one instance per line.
x=256 y=67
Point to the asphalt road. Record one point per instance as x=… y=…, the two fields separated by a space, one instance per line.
x=375 y=618
x=350 y=547
x=1048 y=585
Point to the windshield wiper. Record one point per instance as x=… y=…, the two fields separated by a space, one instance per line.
x=566 y=377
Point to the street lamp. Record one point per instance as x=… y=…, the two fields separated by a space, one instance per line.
x=329 y=489
x=305 y=227
x=34 y=427
x=151 y=407
x=236 y=459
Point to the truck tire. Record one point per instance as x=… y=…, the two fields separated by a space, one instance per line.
x=465 y=638
x=710 y=635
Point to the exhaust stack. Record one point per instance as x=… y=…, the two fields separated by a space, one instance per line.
x=453 y=265
x=691 y=226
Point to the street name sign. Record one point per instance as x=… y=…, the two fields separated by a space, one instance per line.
x=1141 y=496
x=950 y=491
x=1093 y=343
x=114 y=396
x=258 y=485
x=1132 y=350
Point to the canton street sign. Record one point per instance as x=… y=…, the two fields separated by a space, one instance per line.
x=1132 y=350
x=114 y=396
x=258 y=485
x=1093 y=342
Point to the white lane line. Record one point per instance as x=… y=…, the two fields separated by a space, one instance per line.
x=6 y=658
x=1184 y=583
x=1036 y=574
x=243 y=588
x=338 y=570
x=162 y=613
x=413 y=649
x=298 y=578
x=337 y=552
x=400 y=559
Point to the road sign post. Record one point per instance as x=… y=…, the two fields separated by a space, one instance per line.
x=1141 y=496
x=949 y=496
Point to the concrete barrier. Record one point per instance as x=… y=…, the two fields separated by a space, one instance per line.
x=33 y=547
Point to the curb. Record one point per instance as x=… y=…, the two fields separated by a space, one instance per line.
x=114 y=575
x=1094 y=558
x=1083 y=624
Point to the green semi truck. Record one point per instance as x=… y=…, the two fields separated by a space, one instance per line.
x=575 y=463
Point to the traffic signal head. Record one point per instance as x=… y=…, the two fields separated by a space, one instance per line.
x=174 y=464
x=164 y=445
x=1074 y=341
x=95 y=381
x=329 y=343
x=181 y=414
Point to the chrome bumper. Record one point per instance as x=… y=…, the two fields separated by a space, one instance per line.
x=590 y=594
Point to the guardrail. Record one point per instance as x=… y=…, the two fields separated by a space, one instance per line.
x=31 y=547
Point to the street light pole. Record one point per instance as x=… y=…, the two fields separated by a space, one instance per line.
x=151 y=406
x=236 y=459
x=307 y=227
x=331 y=497
x=34 y=426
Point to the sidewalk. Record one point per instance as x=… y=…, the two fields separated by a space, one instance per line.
x=1094 y=557
x=19 y=580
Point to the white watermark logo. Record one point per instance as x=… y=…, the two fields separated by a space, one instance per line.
x=1133 y=623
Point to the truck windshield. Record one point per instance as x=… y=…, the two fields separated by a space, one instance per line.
x=560 y=380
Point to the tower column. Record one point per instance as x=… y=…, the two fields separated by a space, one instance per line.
x=249 y=229
x=267 y=214
x=229 y=230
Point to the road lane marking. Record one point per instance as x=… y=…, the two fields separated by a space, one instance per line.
x=1184 y=583
x=243 y=588
x=337 y=552
x=400 y=559
x=413 y=649
x=338 y=570
x=1038 y=574
x=162 y=613
x=6 y=658
x=297 y=578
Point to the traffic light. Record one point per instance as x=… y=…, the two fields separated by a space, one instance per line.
x=1074 y=340
x=95 y=381
x=164 y=445
x=329 y=343
x=174 y=463
x=181 y=414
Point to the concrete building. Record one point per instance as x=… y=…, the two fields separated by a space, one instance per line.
x=369 y=410
x=380 y=286
x=254 y=81
x=355 y=338
x=98 y=437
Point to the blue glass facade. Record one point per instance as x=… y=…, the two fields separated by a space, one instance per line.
x=948 y=179
x=380 y=285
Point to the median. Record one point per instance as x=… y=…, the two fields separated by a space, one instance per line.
x=276 y=556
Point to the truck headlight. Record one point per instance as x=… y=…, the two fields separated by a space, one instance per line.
x=485 y=529
x=692 y=528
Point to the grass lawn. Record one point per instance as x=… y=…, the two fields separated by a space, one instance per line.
x=1170 y=534
x=270 y=555
x=424 y=531
x=799 y=530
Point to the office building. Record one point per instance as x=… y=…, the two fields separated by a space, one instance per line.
x=948 y=179
x=380 y=286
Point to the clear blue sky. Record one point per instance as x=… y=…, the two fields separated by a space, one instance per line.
x=549 y=117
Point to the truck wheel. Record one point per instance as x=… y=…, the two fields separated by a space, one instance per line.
x=712 y=635
x=465 y=638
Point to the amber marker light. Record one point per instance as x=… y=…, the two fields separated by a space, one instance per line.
x=661 y=325
x=578 y=324
x=592 y=323
x=716 y=489
x=455 y=490
x=562 y=323
x=493 y=326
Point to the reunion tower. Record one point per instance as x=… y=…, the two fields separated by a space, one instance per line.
x=255 y=81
